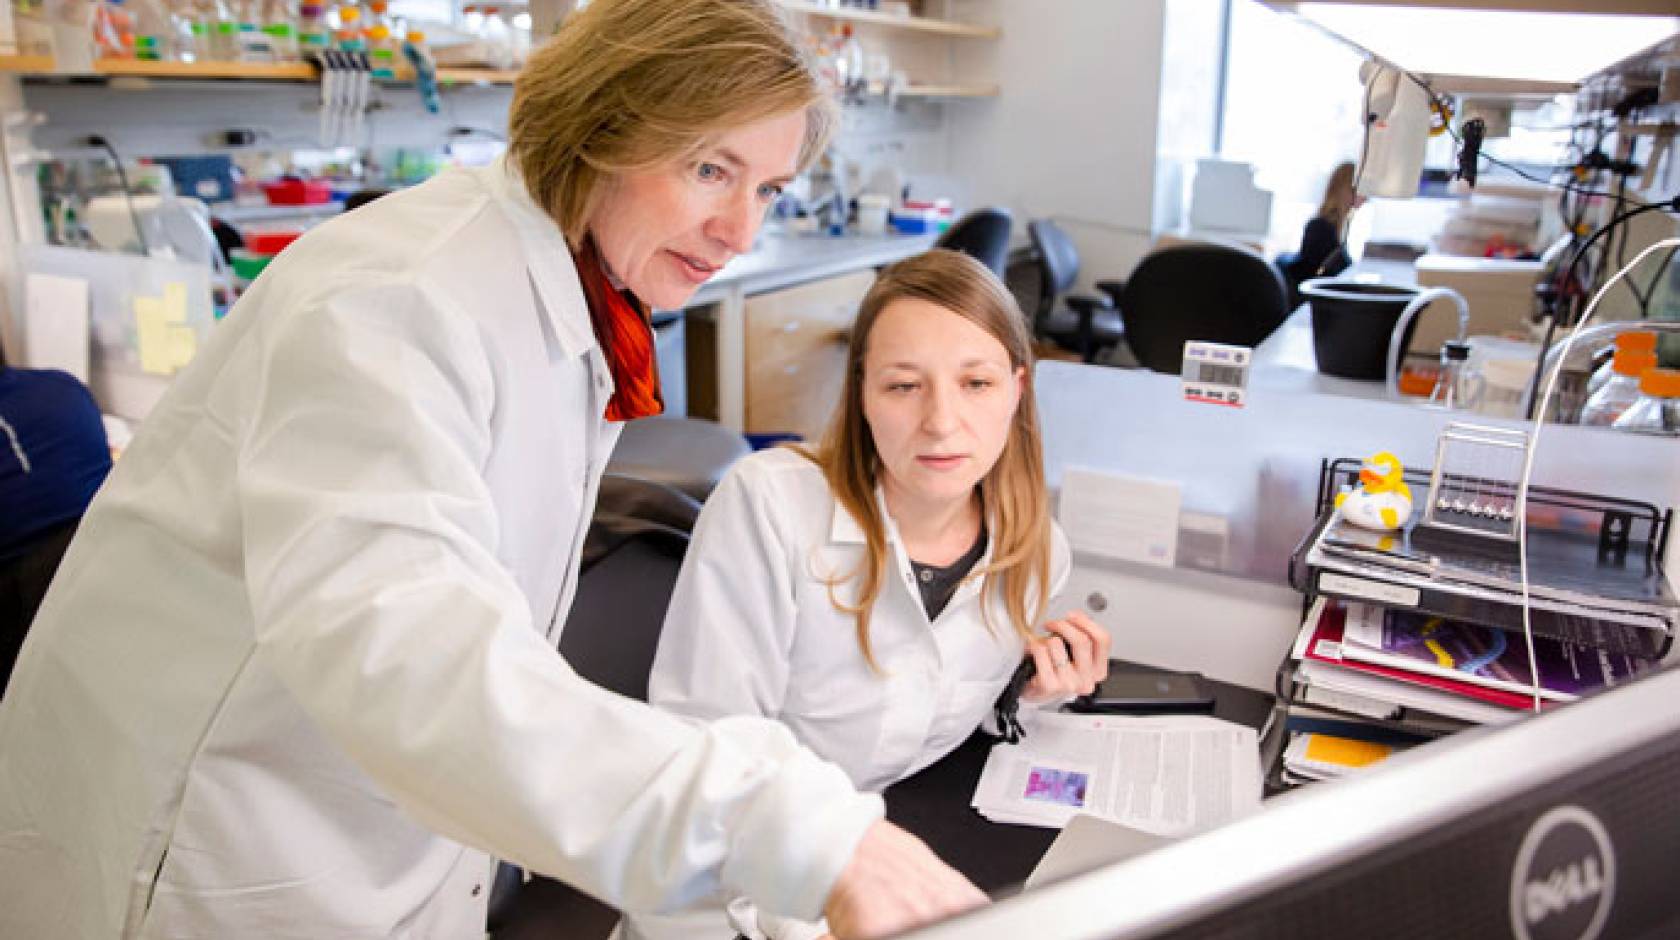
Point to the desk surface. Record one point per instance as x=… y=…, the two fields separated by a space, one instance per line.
x=934 y=804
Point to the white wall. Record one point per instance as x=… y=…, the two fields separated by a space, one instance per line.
x=1072 y=134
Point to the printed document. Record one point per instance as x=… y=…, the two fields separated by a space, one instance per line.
x=1165 y=774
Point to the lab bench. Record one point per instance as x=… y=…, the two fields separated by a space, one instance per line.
x=767 y=335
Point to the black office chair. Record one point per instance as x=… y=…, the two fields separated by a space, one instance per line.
x=1215 y=292
x=1086 y=325
x=983 y=235
x=631 y=557
x=687 y=454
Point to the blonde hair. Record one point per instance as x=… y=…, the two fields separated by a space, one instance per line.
x=1012 y=494
x=1338 y=196
x=627 y=85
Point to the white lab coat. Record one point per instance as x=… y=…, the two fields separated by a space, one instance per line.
x=752 y=630
x=297 y=674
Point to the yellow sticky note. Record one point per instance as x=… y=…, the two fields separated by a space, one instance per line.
x=183 y=343
x=1345 y=752
x=175 y=302
x=152 y=329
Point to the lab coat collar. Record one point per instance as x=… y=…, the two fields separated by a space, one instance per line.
x=547 y=257
x=844 y=529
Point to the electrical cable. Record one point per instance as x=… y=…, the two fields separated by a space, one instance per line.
x=128 y=193
x=1534 y=445
x=1568 y=276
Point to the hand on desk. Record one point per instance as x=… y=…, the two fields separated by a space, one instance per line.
x=893 y=883
x=1071 y=660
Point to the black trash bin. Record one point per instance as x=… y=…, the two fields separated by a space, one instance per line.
x=1353 y=322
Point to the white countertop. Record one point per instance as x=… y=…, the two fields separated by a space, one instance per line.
x=784 y=259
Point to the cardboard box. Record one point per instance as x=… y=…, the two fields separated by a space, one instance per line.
x=1500 y=293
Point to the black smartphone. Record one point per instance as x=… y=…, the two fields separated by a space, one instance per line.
x=1134 y=690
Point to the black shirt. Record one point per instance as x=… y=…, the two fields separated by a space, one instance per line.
x=939 y=584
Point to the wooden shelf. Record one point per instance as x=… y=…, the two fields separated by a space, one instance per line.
x=876 y=17
x=951 y=91
x=253 y=71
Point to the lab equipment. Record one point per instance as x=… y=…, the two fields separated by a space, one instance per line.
x=1474 y=503
x=1216 y=373
x=1397 y=109
x=1607 y=403
x=1635 y=340
x=1657 y=411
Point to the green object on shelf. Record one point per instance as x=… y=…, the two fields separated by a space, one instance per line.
x=246 y=266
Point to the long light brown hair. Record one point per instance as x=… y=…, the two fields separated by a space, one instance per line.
x=1338 y=197
x=628 y=85
x=1013 y=501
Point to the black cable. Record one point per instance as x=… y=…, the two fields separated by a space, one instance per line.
x=128 y=192
x=1568 y=275
x=1440 y=105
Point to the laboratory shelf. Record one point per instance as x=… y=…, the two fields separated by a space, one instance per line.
x=252 y=71
x=877 y=18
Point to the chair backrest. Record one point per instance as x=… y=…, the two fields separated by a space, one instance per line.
x=983 y=235
x=1214 y=292
x=631 y=558
x=1057 y=253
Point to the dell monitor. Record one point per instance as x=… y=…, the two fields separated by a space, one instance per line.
x=1559 y=826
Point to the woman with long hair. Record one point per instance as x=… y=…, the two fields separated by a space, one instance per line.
x=877 y=593
x=296 y=677
x=1323 y=252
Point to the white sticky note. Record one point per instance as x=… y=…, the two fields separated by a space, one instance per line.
x=1120 y=517
x=55 y=324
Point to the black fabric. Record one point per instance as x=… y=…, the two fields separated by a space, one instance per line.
x=1213 y=292
x=1321 y=255
x=24 y=578
x=982 y=235
x=938 y=584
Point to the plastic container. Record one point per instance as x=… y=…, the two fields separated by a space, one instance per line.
x=270 y=243
x=1604 y=406
x=1353 y=323
x=1637 y=340
x=297 y=192
x=1658 y=409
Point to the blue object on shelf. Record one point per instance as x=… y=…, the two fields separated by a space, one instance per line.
x=207 y=178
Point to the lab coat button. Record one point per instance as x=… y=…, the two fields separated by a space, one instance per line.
x=476 y=889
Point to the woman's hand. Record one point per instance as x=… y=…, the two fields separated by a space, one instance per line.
x=1071 y=658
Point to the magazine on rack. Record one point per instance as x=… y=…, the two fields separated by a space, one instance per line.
x=1562 y=566
x=1481 y=655
x=1321 y=662
x=1360 y=579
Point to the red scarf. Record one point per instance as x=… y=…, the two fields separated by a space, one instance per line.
x=625 y=332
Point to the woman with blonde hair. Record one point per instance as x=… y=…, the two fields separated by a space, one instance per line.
x=296 y=676
x=877 y=594
x=1322 y=252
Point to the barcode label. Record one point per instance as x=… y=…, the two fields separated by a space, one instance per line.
x=1220 y=375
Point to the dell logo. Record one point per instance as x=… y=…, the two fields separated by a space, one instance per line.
x=1564 y=878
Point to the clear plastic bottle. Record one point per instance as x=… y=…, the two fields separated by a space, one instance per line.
x=850 y=63
x=1604 y=406
x=280 y=25
x=312 y=32
x=383 y=42
x=1636 y=340
x=349 y=36
x=224 y=32
x=1658 y=409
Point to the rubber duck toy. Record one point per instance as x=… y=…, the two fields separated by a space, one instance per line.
x=1383 y=501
